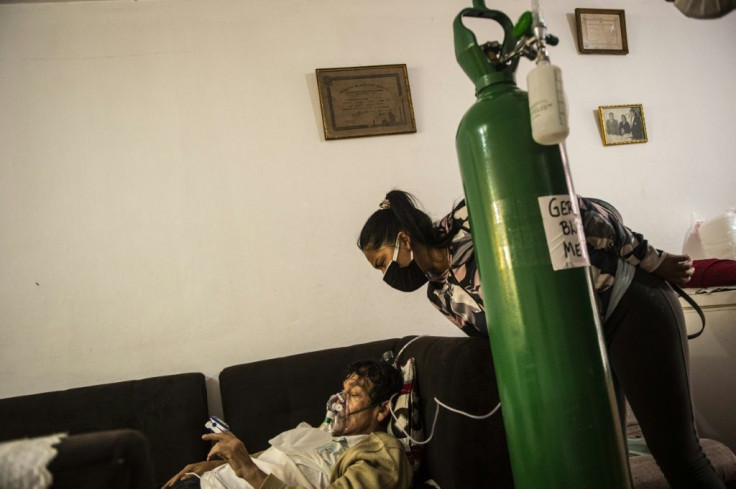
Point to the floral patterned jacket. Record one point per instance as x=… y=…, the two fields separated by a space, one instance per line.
x=458 y=295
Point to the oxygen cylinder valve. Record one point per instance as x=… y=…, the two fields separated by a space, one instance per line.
x=530 y=31
x=492 y=49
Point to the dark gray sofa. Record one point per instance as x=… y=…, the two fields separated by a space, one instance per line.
x=263 y=398
x=126 y=435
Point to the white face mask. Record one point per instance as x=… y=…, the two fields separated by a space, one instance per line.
x=338 y=410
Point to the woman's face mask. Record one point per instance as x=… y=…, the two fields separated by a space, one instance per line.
x=405 y=279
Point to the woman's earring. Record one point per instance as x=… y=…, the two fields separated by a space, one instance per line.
x=406 y=240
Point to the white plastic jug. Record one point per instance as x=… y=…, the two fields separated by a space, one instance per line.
x=718 y=236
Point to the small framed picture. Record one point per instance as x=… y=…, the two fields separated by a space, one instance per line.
x=622 y=124
x=365 y=101
x=601 y=31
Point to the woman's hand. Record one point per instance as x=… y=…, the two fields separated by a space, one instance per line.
x=675 y=268
x=199 y=468
x=230 y=449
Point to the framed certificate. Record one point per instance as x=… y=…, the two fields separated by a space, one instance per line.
x=601 y=31
x=365 y=101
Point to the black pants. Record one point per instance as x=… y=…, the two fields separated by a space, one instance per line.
x=647 y=350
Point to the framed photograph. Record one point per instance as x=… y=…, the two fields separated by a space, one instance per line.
x=365 y=101
x=601 y=31
x=622 y=124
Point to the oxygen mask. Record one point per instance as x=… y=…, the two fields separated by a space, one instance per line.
x=338 y=411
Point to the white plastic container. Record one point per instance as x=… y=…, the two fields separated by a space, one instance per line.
x=547 y=104
x=718 y=236
x=692 y=246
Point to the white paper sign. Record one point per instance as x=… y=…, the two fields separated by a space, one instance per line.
x=564 y=230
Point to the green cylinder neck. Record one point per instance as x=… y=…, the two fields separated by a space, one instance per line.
x=491 y=85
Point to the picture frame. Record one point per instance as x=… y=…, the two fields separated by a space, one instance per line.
x=601 y=31
x=365 y=101
x=622 y=124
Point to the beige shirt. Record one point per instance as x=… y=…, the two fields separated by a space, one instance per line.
x=378 y=461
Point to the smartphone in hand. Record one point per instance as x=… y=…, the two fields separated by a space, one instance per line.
x=216 y=425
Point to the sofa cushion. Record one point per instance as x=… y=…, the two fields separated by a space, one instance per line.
x=462 y=452
x=169 y=410
x=646 y=473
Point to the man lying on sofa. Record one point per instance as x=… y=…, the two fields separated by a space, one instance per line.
x=357 y=454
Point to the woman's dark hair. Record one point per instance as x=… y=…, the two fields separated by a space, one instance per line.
x=400 y=212
x=386 y=379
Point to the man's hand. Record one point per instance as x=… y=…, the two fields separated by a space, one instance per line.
x=229 y=448
x=675 y=268
x=199 y=468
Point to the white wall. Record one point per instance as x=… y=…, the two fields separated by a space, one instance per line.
x=168 y=202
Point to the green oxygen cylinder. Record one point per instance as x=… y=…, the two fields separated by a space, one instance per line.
x=558 y=404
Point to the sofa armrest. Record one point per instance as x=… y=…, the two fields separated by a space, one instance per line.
x=116 y=459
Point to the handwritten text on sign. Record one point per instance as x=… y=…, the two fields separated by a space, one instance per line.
x=564 y=230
